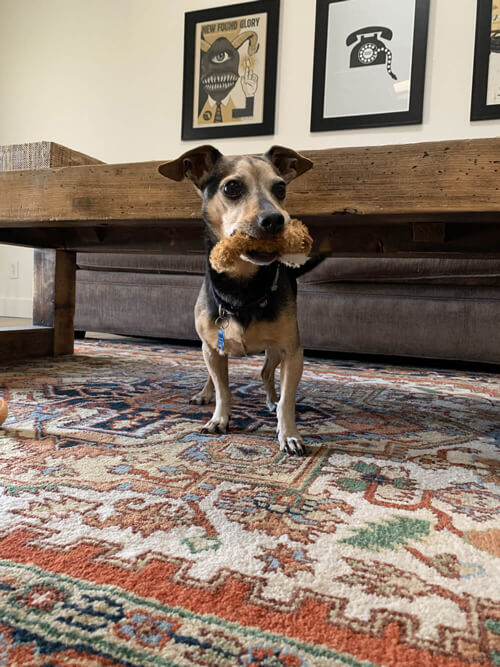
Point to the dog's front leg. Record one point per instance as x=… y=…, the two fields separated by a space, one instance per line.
x=217 y=368
x=289 y=438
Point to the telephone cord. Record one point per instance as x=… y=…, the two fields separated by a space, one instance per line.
x=388 y=65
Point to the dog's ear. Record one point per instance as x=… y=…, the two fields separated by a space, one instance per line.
x=288 y=163
x=197 y=165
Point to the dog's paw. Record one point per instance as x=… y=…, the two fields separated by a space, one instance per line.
x=216 y=425
x=201 y=399
x=292 y=444
x=271 y=405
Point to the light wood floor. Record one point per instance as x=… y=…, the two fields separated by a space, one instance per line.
x=14 y=322
x=26 y=322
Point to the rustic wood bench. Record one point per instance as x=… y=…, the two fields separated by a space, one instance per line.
x=439 y=199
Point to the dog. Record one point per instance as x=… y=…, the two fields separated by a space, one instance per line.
x=252 y=307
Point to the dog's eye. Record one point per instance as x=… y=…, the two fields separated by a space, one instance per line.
x=233 y=189
x=279 y=190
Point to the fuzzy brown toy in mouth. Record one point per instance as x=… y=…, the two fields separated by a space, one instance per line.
x=258 y=257
x=292 y=246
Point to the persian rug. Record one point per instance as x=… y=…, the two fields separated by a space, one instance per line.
x=129 y=538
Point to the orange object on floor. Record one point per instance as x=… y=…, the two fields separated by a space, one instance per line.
x=4 y=411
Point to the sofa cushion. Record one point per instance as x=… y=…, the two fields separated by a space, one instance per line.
x=138 y=304
x=137 y=263
x=433 y=321
x=406 y=270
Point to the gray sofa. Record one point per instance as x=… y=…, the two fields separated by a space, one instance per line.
x=430 y=308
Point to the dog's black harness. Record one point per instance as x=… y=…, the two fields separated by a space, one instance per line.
x=243 y=312
x=226 y=309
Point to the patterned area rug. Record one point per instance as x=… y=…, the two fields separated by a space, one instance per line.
x=128 y=538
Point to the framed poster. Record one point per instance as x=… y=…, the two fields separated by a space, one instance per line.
x=485 y=102
x=230 y=57
x=369 y=63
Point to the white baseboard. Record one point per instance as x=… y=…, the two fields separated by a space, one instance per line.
x=11 y=307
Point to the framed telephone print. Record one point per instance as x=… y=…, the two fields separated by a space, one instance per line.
x=369 y=63
x=230 y=56
x=486 y=80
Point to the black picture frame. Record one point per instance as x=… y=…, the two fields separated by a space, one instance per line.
x=321 y=123
x=194 y=92
x=487 y=42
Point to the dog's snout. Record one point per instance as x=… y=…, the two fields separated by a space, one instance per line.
x=271 y=222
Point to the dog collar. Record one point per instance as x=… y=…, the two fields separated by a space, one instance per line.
x=226 y=310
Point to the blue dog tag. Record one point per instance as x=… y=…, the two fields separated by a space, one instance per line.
x=220 y=340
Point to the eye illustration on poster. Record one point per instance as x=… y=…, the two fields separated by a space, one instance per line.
x=369 y=63
x=230 y=70
x=486 y=82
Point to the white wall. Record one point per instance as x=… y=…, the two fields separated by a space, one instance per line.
x=105 y=77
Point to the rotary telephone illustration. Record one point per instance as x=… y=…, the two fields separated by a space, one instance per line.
x=368 y=48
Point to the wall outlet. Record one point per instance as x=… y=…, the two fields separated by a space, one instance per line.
x=13 y=269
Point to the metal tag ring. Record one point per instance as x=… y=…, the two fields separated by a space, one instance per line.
x=222 y=322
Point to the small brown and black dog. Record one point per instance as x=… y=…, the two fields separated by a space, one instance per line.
x=252 y=307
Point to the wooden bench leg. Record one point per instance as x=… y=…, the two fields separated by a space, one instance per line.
x=54 y=296
x=53 y=311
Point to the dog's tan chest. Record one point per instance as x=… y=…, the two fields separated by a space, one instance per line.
x=281 y=334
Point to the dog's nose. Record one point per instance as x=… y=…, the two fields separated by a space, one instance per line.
x=271 y=222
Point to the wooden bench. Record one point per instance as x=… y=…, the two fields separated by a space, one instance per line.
x=439 y=199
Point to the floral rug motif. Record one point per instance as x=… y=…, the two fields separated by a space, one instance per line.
x=129 y=538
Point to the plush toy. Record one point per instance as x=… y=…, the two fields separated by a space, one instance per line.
x=292 y=247
x=3 y=411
